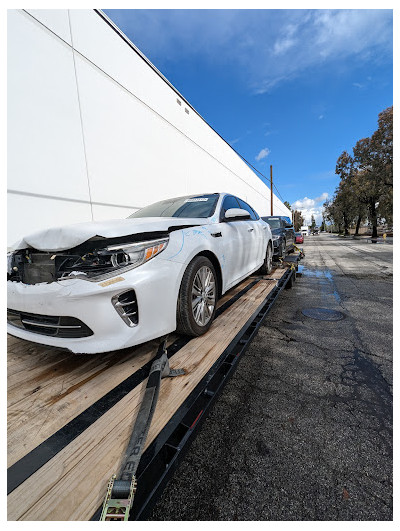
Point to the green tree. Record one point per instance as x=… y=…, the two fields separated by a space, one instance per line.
x=348 y=201
x=373 y=162
x=333 y=213
x=298 y=220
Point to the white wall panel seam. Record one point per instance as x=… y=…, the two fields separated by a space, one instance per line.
x=146 y=60
x=172 y=125
x=155 y=69
x=80 y=117
x=69 y=199
x=249 y=166
x=246 y=183
x=47 y=28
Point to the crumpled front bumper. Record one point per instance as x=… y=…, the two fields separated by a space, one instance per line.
x=155 y=283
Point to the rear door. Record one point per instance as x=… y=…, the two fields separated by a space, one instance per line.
x=256 y=235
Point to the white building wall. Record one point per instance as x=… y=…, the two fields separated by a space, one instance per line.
x=95 y=132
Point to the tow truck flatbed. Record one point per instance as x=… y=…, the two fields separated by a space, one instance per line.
x=70 y=416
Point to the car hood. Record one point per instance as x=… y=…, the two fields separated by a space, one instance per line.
x=69 y=236
x=276 y=232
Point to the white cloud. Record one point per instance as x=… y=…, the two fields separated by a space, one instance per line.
x=303 y=203
x=316 y=212
x=283 y=44
x=323 y=197
x=309 y=207
x=266 y=47
x=263 y=154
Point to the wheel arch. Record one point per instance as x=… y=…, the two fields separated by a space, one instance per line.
x=218 y=271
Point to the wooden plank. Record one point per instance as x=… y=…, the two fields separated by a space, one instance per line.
x=278 y=273
x=63 y=390
x=71 y=486
x=49 y=387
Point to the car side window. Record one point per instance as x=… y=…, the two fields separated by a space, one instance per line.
x=247 y=207
x=229 y=202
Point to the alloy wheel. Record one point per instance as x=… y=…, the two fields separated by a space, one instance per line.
x=203 y=295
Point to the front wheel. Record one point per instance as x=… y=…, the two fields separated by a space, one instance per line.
x=197 y=298
x=266 y=268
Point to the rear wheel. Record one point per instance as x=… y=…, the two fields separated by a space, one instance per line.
x=266 y=268
x=197 y=298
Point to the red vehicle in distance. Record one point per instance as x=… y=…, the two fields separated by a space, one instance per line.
x=298 y=237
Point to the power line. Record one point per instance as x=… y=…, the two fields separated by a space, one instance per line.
x=255 y=169
x=277 y=191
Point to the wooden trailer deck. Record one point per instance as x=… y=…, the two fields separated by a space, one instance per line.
x=70 y=416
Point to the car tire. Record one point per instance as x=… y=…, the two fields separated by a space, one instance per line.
x=282 y=249
x=266 y=268
x=197 y=299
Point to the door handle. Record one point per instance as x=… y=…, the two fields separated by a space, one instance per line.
x=250 y=230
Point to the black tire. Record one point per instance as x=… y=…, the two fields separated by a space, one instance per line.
x=186 y=317
x=290 y=282
x=266 y=268
x=282 y=249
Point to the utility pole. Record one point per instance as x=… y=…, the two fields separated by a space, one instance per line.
x=272 y=193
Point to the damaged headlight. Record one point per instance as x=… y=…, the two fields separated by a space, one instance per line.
x=135 y=254
x=275 y=239
x=104 y=263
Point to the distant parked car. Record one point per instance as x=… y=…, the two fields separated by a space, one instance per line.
x=106 y=285
x=282 y=234
x=299 y=237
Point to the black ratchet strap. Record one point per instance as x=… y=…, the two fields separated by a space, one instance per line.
x=121 y=491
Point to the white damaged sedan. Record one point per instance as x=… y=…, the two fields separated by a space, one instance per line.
x=101 y=286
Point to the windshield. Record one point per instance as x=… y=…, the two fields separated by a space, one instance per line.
x=274 y=223
x=196 y=206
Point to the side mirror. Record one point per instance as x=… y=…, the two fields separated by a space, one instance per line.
x=236 y=214
x=289 y=226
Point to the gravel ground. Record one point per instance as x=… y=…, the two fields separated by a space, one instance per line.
x=303 y=430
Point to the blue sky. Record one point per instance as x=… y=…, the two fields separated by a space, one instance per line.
x=291 y=88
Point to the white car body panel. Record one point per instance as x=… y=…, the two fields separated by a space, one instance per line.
x=238 y=246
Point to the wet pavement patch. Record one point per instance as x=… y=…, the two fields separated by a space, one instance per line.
x=323 y=314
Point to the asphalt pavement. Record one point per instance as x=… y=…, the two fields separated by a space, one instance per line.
x=303 y=430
